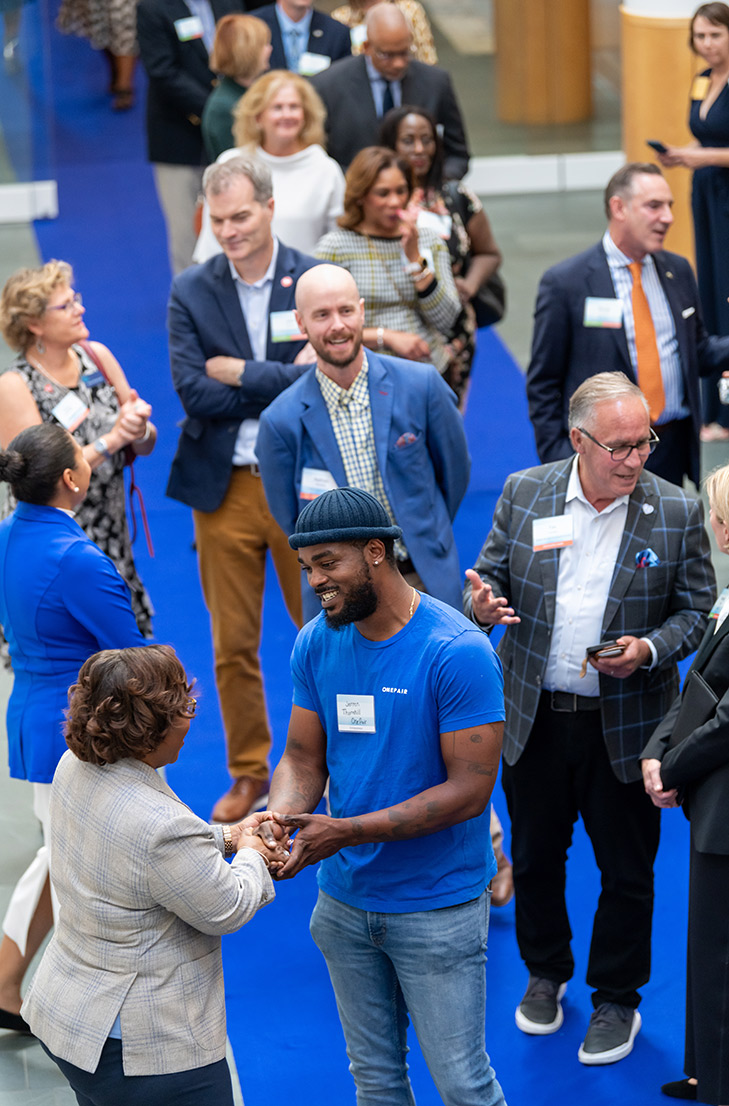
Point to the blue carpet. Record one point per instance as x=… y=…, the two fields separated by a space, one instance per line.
x=282 y=1018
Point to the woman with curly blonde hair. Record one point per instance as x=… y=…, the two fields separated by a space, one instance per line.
x=60 y=377
x=281 y=121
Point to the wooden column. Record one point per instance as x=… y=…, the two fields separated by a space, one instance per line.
x=543 y=61
x=658 y=68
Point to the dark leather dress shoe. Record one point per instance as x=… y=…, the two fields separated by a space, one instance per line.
x=245 y=796
x=680 y=1088
x=14 y=1022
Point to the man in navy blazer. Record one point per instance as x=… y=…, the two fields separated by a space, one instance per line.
x=406 y=427
x=583 y=324
x=357 y=92
x=234 y=345
x=315 y=32
x=173 y=44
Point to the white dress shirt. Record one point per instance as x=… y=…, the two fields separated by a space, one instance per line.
x=583 y=584
x=254 y=303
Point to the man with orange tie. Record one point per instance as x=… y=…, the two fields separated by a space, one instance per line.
x=625 y=305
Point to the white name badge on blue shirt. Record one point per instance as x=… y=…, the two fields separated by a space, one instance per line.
x=70 y=411
x=311 y=64
x=551 y=533
x=284 y=327
x=603 y=312
x=356 y=713
x=188 y=28
x=315 y=481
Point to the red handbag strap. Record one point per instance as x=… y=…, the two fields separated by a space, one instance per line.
x=129 y=459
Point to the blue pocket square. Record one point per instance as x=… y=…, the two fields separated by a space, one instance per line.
x=646 y=558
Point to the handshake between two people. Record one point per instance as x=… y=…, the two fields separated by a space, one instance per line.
x=290 y=842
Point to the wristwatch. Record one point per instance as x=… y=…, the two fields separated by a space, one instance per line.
x=416 y=266
x=102 y=447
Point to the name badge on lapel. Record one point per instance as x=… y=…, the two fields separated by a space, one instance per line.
x=720 y=604
x=311 y=64
x=551 y=533
x=603 y=312
x=314 y=482
x=189 y=28
x=284 y=327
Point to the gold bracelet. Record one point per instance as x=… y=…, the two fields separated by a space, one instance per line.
x=228 y=842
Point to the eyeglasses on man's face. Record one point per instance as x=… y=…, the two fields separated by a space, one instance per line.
x=622 y=452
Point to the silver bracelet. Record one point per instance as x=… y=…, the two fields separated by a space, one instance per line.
x=380 y=337
x=146 y=434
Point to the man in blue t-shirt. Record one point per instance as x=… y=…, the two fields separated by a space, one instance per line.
x=398 y=701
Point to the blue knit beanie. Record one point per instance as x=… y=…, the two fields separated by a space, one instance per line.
x=342 y=514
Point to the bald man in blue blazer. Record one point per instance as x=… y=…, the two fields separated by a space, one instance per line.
x=419 y=451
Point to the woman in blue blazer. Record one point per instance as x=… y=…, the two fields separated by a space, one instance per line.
x=61 y=599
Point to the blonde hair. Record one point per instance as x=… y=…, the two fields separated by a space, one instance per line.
x=246 y=129
x=25 y=298
x=239 y=40
x=716 y=486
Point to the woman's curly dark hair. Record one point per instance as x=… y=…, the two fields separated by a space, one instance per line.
x=125 y=702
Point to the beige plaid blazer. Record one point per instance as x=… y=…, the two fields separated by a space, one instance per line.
x=145 y=896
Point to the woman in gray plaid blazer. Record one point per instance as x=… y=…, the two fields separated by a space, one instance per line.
x=131 y=984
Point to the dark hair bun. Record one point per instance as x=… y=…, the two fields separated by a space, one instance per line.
x=13 y=466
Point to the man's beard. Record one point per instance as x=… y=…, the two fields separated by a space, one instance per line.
x=359 y=604
x=330 y=358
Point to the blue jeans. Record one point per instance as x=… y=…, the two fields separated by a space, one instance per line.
x=429 y=964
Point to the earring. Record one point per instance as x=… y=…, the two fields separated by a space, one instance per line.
x=40 y=346
x=75 y=488
x=375 y=562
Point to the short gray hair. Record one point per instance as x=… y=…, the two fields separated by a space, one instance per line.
x=218 y=177
x=601 y=388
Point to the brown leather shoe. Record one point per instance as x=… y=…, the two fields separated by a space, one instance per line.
x=245 y=795
x=502 y=885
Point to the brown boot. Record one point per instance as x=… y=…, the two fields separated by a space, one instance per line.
x=245 y=796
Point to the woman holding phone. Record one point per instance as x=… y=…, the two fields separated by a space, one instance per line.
x=708 y=157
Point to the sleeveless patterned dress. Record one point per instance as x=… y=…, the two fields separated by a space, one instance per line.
x=102 y=515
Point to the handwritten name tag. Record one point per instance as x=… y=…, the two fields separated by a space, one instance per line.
x=356 y=713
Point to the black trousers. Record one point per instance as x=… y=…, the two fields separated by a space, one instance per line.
x=109 y=1086
x=707 y=984
x=565 y=771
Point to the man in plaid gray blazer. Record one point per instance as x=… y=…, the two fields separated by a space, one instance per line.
x=583 y=551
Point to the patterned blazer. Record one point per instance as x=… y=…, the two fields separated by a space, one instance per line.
x=145 y=896
x=667 y=603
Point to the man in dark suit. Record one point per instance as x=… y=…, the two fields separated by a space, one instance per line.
x=584 y=323
x=588 y=550
x=234 y=345
x=174 y=43
x=302 y=38
x=357 y=92
x=401 y=437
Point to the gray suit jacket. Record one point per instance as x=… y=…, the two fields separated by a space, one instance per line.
x=667 y=603
x=145 y=896
x=352 y=121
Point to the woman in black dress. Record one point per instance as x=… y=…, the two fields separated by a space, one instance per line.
x=709 y=159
